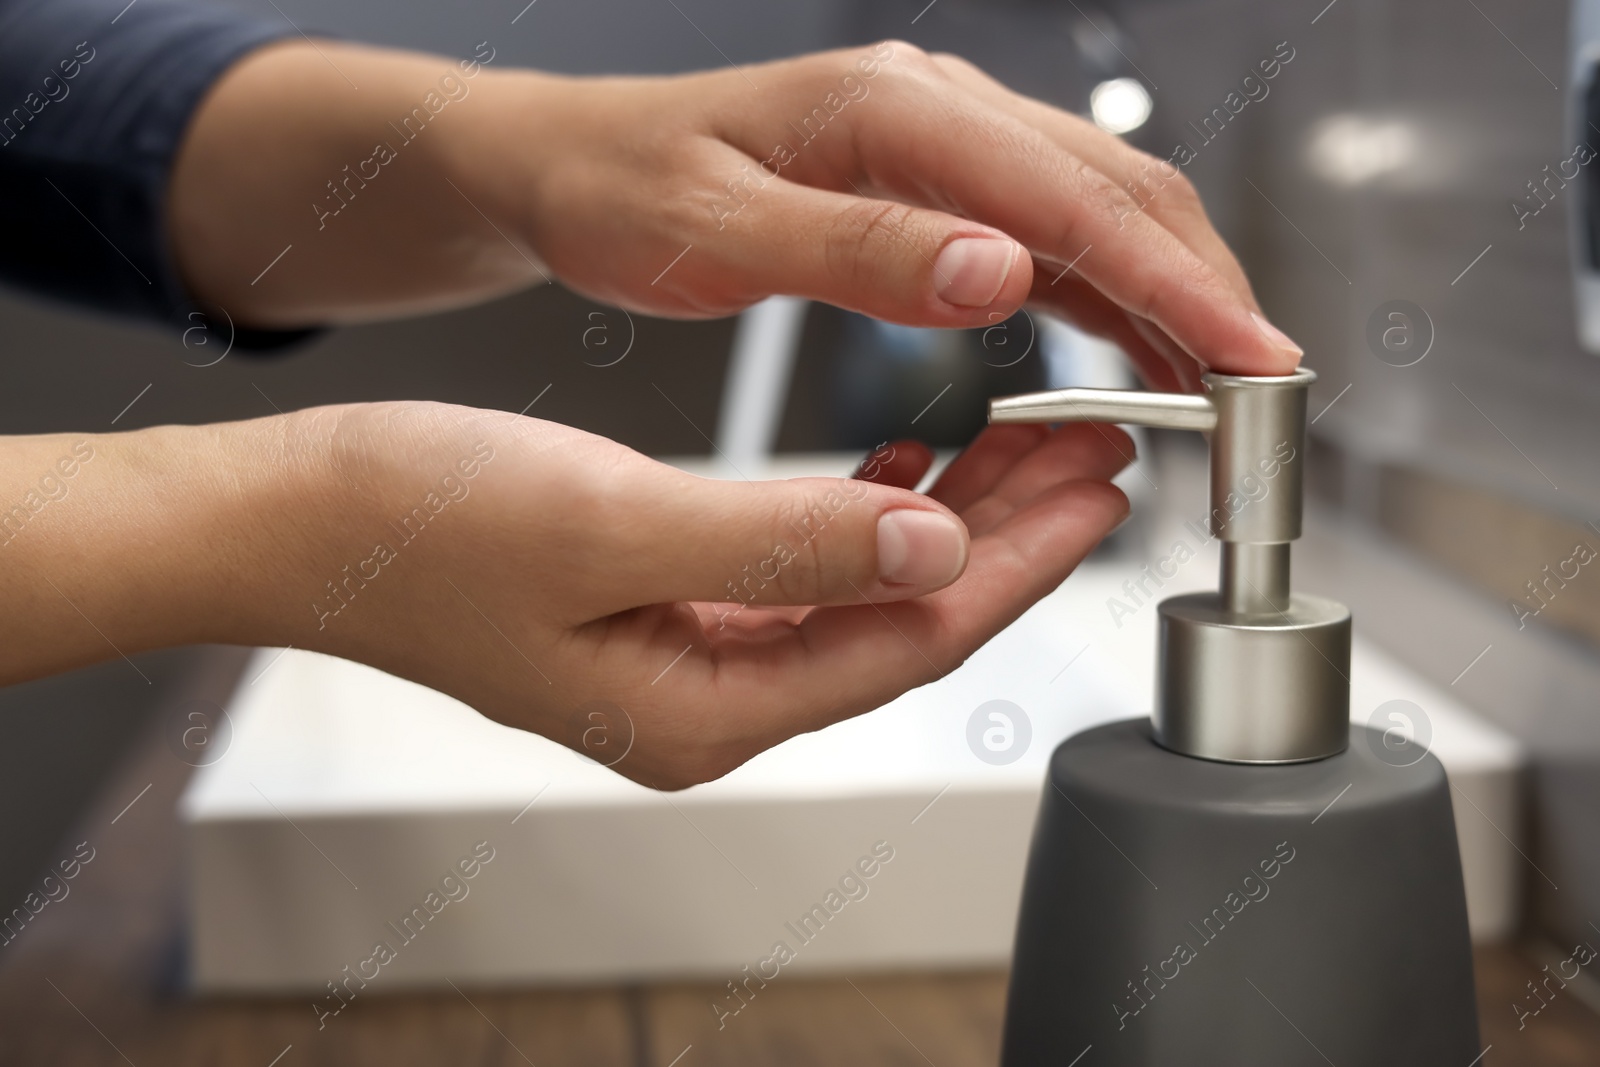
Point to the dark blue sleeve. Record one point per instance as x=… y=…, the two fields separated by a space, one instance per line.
x=95 y=96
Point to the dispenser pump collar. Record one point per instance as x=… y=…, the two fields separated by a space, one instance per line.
x=1252 y=673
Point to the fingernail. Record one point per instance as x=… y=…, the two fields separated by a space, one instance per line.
x=920 y=548
x=971 y=270
x=1277 y=337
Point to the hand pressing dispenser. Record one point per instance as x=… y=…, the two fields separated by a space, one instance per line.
x=1246 y=878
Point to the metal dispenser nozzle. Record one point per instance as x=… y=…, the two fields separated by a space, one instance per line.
x=1253 y=673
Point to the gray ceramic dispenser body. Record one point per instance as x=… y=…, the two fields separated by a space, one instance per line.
x=1246 y=878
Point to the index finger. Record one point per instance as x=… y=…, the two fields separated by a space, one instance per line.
x=1168 y=195
x=925 y=139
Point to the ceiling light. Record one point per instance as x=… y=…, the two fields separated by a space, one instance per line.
x=1119 y=105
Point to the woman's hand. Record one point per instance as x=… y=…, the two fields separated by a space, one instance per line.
x=709 y=620
x=909 y=187
x=536 y=572
x=906 y=186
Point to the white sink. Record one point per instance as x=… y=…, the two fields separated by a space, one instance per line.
x=346 y=793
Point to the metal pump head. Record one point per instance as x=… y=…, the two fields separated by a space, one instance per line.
x=1252 y=673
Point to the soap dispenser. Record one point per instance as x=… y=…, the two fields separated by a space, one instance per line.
x=1242 y=880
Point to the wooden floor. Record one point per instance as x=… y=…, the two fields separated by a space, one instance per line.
x=95 y=979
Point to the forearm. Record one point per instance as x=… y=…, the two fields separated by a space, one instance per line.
x=389 y=199
x=118 y=543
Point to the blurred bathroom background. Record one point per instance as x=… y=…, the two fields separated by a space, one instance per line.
x=1454 y=449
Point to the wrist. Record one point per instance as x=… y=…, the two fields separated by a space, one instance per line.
x=353 y=542
x=260 y=500
x=119 y=543
x=503 y=152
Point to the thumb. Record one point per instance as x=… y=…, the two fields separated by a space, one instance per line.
x=803 y=541
x=909 y=265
